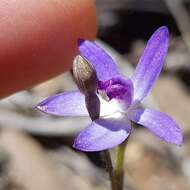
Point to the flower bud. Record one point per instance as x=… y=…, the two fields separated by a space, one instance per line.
x=86 y=79
x=84 y=75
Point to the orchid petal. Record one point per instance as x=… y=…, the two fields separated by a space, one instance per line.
x=70 y=103
x=150 y=63
x=103 y=134
x=159 y=124
x=100 y=60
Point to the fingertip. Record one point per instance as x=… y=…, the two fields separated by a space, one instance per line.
x=39 y=39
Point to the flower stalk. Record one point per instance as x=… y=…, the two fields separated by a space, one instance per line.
x=119 y=165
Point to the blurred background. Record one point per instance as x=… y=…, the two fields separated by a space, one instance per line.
x=36 y=149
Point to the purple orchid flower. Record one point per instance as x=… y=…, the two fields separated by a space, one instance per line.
x=120 y=98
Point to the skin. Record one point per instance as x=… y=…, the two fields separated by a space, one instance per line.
x=38 y=39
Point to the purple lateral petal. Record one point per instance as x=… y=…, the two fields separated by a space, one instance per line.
x=101 y=61
x=150 y=63
x=159 y=124
x=70 y=103
x=103 y=134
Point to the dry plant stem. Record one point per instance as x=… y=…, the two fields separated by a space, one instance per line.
x=118 y=172
x=109 y=167
x=181 y=17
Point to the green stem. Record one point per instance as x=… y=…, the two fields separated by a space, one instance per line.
x=118 y=172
